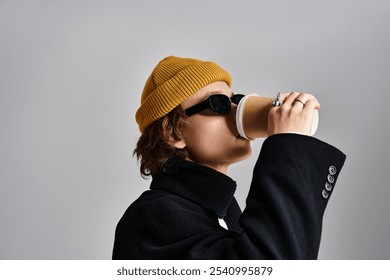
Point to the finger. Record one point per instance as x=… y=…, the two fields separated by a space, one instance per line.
x=308 y=97
x=283 y=96
x=298 y=105
x=303 y=98
x=300 y=101
x=310 y=106
x=289 y=99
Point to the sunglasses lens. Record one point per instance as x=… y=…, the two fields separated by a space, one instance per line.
x=220 y=103
x=237 y=98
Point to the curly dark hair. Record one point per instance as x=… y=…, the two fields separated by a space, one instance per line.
x=154 y=146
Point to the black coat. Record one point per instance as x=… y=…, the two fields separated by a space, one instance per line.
x=178 y=218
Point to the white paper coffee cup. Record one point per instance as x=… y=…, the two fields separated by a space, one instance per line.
x=252 y=117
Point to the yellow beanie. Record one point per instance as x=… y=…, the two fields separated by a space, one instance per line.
x=172 y=81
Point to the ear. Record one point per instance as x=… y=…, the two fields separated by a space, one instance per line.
x=181 y=144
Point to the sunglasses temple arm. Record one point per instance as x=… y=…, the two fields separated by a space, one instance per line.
x=197 y=108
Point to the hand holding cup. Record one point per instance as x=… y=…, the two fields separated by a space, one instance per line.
x=294 y=115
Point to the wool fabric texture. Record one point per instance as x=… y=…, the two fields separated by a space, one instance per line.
x=178 y=218
x=172 y=81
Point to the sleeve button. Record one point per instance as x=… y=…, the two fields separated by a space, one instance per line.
x=328 y=186
x=325 y=194
x=332 y=170
x=330 y=179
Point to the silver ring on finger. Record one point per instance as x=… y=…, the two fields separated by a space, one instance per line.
x=300 y=101
x=276 y=101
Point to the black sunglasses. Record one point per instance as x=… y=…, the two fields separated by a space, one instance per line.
x=219 y=103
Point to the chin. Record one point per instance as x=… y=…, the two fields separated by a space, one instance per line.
x=247 y=155
x=244 y=153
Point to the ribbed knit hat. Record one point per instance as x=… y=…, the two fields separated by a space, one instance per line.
x=172 y=81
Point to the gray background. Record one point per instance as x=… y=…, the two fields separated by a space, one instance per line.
x=71 y=75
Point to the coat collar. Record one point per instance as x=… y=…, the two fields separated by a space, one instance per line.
x=198 y=183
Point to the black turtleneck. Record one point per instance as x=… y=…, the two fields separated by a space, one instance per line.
x=203 y=185
x=177 y=218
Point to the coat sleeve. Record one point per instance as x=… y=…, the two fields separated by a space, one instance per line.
x=282 y=218
x=292 y=182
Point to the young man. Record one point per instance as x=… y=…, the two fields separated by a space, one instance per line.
x=188 y=141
